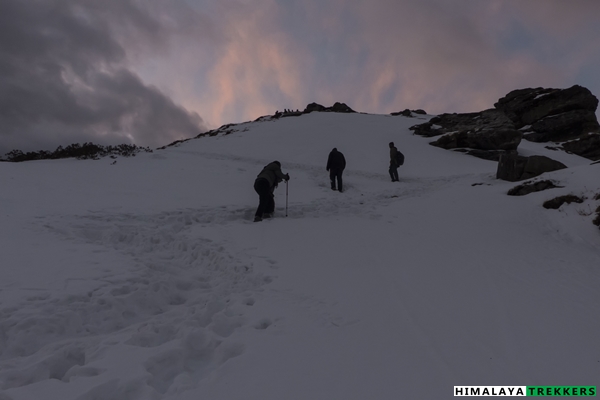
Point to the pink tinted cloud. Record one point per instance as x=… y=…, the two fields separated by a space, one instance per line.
x=378 y=56
x=440 y=57
x=251 y=72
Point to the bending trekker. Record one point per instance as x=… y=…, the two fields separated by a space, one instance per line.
x=393 y=163
x=336 y=162
x=265 y=185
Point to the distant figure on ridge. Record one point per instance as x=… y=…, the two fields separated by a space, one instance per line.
x=396 y=159
x=335 y=165
x=265 y=185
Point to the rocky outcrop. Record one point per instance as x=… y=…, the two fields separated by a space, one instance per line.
x=485 y=121
x=341 y=108
x=513 y=167
x=527 y=106
x=537 y=115
x=409 y=113
x=551 y=115
x=314 y=107
x=487 y=134
x=337 y=107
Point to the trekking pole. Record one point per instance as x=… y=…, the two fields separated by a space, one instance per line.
x=286 y=197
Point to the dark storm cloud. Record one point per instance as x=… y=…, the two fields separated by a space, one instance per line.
x=64 y=76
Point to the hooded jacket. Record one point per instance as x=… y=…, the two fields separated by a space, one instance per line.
x=272 y=173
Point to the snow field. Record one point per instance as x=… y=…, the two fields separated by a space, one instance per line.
x=146 y=279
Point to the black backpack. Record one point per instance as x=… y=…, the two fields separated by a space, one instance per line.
x=399 y=157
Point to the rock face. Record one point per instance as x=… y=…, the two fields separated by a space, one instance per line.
x=537 y=115
x=513 y=167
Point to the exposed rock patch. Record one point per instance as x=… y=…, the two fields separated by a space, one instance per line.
x=531 y=187
x=556 y=202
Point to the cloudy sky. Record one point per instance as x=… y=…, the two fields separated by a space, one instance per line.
x=152 y=71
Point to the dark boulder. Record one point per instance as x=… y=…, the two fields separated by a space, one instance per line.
x=537 y=165
x=587 y=146
x=513 y=167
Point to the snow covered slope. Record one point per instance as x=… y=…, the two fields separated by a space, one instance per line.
x=146 y=279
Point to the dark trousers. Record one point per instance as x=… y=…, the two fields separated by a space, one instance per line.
x=336 y=174
x=394 y=172
x=266 y=202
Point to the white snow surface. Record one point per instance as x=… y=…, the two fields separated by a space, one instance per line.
x=147 y=279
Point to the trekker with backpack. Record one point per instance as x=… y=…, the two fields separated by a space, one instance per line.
x=335 y=165
x=265 y=185
x=396 y=159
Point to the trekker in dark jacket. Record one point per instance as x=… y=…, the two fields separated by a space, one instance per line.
x=393 y=163
x=335 y=165
x=264 y=185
